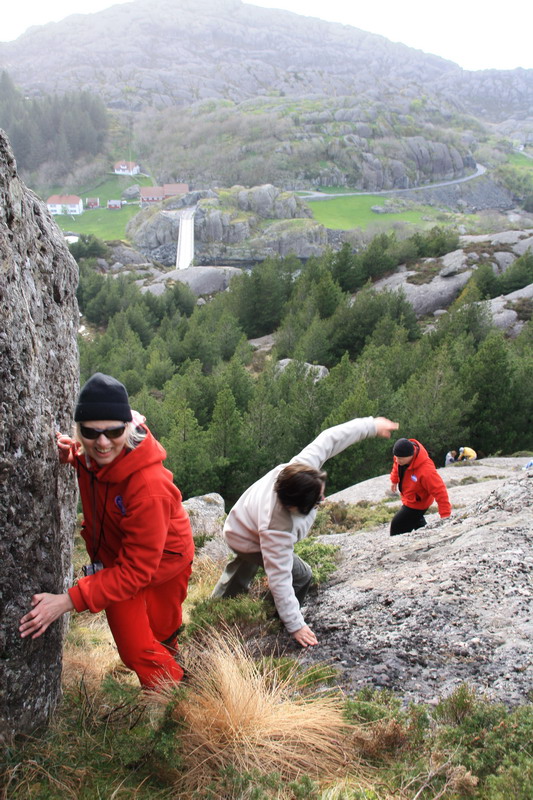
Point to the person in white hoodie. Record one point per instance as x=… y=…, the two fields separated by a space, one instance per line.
x=276 y=512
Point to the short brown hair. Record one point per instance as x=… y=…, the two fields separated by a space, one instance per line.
x=300 y=485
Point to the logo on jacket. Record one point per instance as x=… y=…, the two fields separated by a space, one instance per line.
x=414 y=478
x=119 y=502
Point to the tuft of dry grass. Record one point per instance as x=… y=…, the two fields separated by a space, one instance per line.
x=236 y=714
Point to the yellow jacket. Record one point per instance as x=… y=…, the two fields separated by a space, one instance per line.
x=467 y=453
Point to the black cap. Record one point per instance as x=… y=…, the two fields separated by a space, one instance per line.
x=103 y=397
x=403 y=448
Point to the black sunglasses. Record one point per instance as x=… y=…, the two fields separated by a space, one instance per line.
x=109 y=433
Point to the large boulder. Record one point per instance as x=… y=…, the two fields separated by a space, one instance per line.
x=504 y=313
x=200 y=280
x=426 y=298
x=421 y=613
x=207 y=515
x=39 y=369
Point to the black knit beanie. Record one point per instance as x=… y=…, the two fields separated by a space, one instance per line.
x=403 y=448
x=103 y=397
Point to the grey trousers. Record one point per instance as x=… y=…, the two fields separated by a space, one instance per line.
x=241 y=571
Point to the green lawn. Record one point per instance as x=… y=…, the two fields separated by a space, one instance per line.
x=104 y=223
x=521 y=161
x=345 y=213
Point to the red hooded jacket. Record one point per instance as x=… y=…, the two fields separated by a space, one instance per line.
x=134 y=523
x=421 y=483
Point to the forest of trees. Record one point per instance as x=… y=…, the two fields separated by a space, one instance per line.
x=225 y=416
x=55 y=129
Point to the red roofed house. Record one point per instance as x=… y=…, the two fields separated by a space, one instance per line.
x=151 y=194
x=156 y=194
x=65 y=204
x=126 y=168
x=173 y=189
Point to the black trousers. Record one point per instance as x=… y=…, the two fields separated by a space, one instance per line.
x=407 y=519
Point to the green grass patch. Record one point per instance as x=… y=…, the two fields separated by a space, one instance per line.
x=98 y=746
x=338 y=516
x=110 y=187
x=320 y=557
x=243 y=612
x=521 y=161
x=103 y=222
x=345 y=213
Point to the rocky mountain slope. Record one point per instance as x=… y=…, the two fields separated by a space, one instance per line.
x=163 y=52
x=423 y=612
x=219 y=92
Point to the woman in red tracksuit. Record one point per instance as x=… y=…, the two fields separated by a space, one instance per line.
x=136 y=530
x=416 y=476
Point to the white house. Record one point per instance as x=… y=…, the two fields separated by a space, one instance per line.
x=126 y=168
x=65 y=204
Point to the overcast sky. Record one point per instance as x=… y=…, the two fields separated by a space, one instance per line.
x=476 y=34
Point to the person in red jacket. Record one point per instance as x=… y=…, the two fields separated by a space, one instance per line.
x=415 y=475
x=136 y=530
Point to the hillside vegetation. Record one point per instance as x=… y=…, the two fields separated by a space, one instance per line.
x=226 y=415
x=236 y=94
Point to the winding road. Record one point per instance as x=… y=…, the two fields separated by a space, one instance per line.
x=480 y=170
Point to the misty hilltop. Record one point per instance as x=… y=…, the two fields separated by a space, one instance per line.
x=177 y=52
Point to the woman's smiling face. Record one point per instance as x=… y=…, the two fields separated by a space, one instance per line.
x=103 y=449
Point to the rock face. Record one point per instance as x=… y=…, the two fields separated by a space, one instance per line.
x=427 y=298
x=200 y=280
x=39 y=374
x=230 y=227
x=228 y=49
x=206 y=513
x=423 y=612
x=454 y=271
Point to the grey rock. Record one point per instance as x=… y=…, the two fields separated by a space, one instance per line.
x=503 y=314
x=453 y=263
x=523 y=246
x=39 y=368
x=426 y=298
x=127 y=255
x=207 y=515
x=317 y=371
x=446 y=604
x=131 y=192
x=200 y=280
x=503 y=261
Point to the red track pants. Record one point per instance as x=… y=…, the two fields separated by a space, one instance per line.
x=140 y=624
